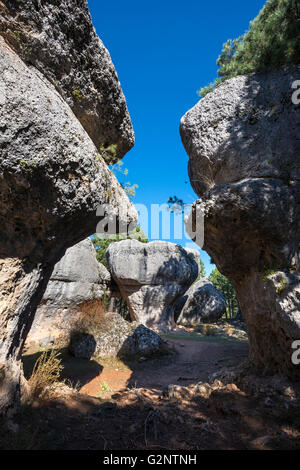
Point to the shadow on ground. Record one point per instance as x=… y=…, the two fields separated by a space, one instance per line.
x=143 y=419
x=153 y=405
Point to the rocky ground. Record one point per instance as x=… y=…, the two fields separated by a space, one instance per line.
x=198 y=397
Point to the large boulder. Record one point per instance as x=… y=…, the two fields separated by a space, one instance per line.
x=244 y=147
x=52 y=178
x=151 y=277
x=78 y=283
x=57 y=37
x=202 y=303
x=109 y=335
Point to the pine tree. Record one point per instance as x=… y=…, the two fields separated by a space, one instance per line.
x=224 y=285
x=272 y=41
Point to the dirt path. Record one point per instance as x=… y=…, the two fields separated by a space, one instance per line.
x=192 y=361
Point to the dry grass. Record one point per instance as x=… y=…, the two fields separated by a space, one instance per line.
x=207 y=330
x=92 y=319
x=46 y=372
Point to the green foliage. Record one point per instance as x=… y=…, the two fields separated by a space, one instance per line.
x=109 y=153
x=224 y=285
x=267 y=273
x=77 y=94
x=202 y=272
x=282 y=285
x=129 y=188
x=206 y=89
x=105 y=388
x=273 y=40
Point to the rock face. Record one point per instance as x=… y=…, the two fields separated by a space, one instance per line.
x=77 y=282
x=151 y=277
x=52 y=178
x=202 y=303
x=59 y=40
x=112 y=336
x=244 y=147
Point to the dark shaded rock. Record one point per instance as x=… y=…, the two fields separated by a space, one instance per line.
x=202 y=303
x=143 y=342
x=239 y=315
x=82 y=345
x=151 y=277
x=244 y=147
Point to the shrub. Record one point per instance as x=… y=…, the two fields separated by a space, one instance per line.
x=46 y=372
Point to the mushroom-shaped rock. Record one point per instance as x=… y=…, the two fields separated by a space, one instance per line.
x=78 y=283
x=151 y=277
x=52 y=178
x=202 y=303
x=244 y=149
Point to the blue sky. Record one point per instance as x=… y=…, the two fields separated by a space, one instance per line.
x=164 y=51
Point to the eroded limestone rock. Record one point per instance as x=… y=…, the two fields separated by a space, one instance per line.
x=244 y=148
x=78 y=282
x=59 y=39
x=151 y=277
x=52 y=178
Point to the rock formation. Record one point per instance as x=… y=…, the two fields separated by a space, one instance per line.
x=202 y=303
x=52 y=178
x=151 y=277
x=59 y=40
x=78 y=282
x=244 y=148
x=112 y=336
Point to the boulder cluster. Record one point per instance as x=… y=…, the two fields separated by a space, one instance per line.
x=63 y=117
x=155 y=279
